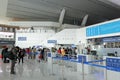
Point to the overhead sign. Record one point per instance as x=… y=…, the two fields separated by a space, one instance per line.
x=52 y=41
x=7 y=42
x=102 y=29
x=9 y=35
x=22 y=38
x=112 y=39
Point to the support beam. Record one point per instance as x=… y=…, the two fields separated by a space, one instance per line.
x=61 y=18
x=3 y=12
x=3 y=8
x=84 y=21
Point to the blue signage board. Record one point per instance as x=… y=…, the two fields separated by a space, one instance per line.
x=102 y=29
x=22 y=38
x=113 y=64
x=73 y=45
x=111 y=39
x=49 y=54
x=81 y=58
x=52 y=41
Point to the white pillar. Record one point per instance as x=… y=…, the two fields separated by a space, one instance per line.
x=3 y=11
x=3 y=8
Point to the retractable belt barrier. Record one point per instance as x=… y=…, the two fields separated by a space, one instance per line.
x=66 y=59
x=91 y=63
x=75 y=60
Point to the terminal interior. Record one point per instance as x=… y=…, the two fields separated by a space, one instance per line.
x=60 y=39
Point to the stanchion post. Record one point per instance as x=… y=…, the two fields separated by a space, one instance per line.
x=52 y=66
x=83 y=68
x=105 y=72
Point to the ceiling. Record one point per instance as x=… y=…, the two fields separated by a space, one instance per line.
x=49 y=10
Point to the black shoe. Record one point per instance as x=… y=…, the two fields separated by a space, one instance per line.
x=13 y=73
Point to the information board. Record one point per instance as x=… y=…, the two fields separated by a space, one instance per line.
x=102 y=29
x=111 y=39
x=113 y=64
x=52 y=41
x=81 y=58
x=22 y=38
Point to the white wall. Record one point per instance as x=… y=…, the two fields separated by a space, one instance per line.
x=66 y=36
x=81 y=36
x=32 y=38
x=69 y=36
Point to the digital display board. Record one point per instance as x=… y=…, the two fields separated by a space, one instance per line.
x=102 y=29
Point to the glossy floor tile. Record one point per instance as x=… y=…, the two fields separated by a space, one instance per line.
x=33 y=70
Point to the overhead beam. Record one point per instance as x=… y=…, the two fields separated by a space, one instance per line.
x=84 y=21
x=61 y=18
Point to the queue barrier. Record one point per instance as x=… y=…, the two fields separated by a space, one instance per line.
x=110 y=65
x=68 y=61
x=91 y=63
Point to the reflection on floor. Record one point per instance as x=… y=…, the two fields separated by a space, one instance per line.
x=33 y=70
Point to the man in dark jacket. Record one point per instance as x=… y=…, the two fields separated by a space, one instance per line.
x=13 y=57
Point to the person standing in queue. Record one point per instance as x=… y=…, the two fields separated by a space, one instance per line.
x=21 y=55
x=4 y=54
x=13 y=58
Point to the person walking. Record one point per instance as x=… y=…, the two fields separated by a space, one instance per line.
x=13 y=58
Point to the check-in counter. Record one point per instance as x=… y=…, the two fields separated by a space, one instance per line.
x=112 y=71
x=81 y=67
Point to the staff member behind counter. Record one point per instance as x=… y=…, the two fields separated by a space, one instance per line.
x=116 y=55
x=113 y=54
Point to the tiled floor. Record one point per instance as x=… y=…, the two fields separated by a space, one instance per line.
x=32 y=70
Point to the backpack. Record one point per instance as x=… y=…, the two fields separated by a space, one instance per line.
x=11 y=56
